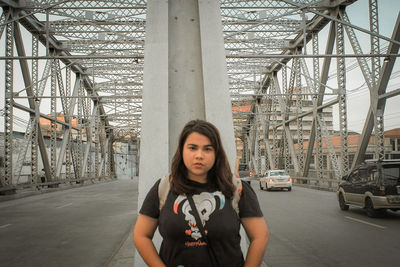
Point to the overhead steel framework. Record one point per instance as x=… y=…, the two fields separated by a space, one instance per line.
x=78 y=86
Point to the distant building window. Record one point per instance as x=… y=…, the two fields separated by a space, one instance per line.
x=351 y=159
x=393 y=144
x=324 y=162
x=369 y=156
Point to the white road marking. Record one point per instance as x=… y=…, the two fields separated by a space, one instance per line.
x=4 y=226
x=66 y=205
x=368 y=223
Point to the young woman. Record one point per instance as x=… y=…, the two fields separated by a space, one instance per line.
x=200 y=168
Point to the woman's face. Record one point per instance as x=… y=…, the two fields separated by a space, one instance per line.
x=198 y=156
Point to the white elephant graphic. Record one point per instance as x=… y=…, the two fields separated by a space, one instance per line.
x=206 y=204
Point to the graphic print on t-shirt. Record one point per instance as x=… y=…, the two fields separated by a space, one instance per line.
x=206 y=203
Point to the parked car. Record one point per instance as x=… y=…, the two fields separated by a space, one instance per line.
x=276 y=179
x=246 y=176
x=373 y=185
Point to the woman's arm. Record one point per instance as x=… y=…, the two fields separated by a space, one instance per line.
x=257 y=231
x=142 y=236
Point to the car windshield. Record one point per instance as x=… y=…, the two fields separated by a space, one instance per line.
x=391 y=174
x=278 y=173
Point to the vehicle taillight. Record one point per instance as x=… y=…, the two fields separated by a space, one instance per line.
x=270 y=179
x=382 y=191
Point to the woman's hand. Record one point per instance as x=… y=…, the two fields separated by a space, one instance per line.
x=142 y=236
x=258 y=234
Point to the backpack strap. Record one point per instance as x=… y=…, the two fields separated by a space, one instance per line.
x=163 y=190
x=236 y=196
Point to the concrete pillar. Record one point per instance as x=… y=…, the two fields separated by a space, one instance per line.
x=185 y=78
x=154 y=149
x=185 y=84
x=215 y=75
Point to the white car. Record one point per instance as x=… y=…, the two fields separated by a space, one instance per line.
x=276 y=179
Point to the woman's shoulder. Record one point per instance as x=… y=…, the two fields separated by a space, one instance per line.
x=150 y=205
x=248 y=204
x=246 y=187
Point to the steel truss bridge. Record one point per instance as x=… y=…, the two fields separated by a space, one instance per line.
x=73 y=79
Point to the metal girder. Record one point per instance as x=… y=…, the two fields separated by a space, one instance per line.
x=32 y=24
x=53 y=125
x=390 y=94
x=86 y=167
x=274 y=120
x=34 y=136
x=303 y=114
x=285 y=124
x=315 y=25
x=30 y=93
x=341 y=80
x=366 y=71
x=67 y=134
x=320 y=97
x=375 y=69
x=103 y=157
x=380 y=89
x=6 y=180
x=337 y=170
x=4 y=17
x=299 y=120
x=69 y=148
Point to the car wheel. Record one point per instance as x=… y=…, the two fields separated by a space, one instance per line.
x=261 y=188
x=371 y=211
x=342 y=203
x=289 y=189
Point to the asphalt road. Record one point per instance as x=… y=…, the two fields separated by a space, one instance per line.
x=82 y=226
x=90 y=226
x=307 y=228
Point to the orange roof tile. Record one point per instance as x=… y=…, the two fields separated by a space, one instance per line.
x=352 y=141
x=393 y=133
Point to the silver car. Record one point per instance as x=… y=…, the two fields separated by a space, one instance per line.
x=276 y=179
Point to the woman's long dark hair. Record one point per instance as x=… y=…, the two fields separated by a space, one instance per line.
x=220 y=173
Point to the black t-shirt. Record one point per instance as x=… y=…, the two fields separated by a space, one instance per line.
x=182 y=244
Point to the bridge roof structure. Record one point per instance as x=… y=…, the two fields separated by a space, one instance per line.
x=102 y=42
